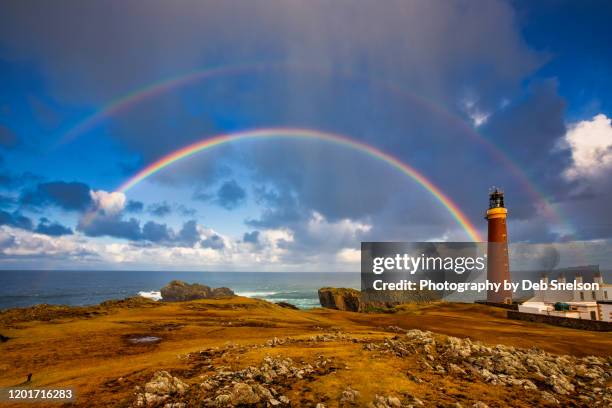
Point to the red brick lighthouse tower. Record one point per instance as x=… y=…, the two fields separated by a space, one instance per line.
x=498 y=268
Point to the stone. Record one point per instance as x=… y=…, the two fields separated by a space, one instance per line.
x=177 y=291
x=349 y=395
x=346 y=299
x=223 y=400
x=394 y=402
x=243 y=393
x=163 y=383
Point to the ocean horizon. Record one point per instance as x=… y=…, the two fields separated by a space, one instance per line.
x=22 y=288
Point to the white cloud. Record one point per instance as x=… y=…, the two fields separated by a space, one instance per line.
x=349 y=255
x=109 y=203
x=322 y=230
x=477 y=115
x=590 y=143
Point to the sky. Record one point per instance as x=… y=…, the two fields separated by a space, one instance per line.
x=470 y=94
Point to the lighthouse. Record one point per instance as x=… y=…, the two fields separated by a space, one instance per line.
x=498 y=269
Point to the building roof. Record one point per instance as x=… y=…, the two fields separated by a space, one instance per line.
x=588 y=273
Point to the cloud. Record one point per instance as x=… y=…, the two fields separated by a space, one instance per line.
x=251 y=237
x=66 y=195
x=230 y=195
x=186 y=211
x=17 y=245
x=213 y=242
x=590 y=144
x=52 y=228
x=108 y=204
x=160 y=209
x=15 y=219
x=10 y=180
x=111 y=226
x=155 y=232
x=6 y=201
x=45 y=227
x=188 y=234
x=134 y=206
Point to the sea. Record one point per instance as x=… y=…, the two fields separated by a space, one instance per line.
x=78 y=288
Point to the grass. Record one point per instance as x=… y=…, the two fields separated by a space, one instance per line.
x=88 y=349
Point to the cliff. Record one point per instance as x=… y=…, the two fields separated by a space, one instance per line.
x=352 y=300
x=341 y=299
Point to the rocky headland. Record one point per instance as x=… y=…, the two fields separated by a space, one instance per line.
x=353 y=300
x=179 y=291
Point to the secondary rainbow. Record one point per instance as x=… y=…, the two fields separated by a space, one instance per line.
x=296 y=133
x=157 y=88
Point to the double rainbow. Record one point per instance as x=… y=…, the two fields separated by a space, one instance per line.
x=308 y=134
x=157 y=88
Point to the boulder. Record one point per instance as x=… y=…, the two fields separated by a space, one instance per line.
x=163 y=383
x=177 y=291
x=243 y=394
x=340 y=298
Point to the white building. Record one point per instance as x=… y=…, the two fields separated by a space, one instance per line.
x=577 y=304
x=604 y=310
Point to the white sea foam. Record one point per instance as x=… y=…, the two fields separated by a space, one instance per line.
x=154 y=294
x=256 y=294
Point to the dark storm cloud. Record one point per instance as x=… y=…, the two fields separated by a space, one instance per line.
x=471 y=52
x=529 y=131
x=188 y=234
x=280 y=205
x=45 y=226
x=66 y=195
x=159 y=209
x=15 y=219
x=134 y=206
x=53 y=229
x=251 y=237
x=155 y=232
x=117 y=226
x=399 y=38
x=230 y=195
x=113 y=227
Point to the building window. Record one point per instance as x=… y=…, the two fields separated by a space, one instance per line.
x=581 y=295
x=605 y=294
x=593 y=293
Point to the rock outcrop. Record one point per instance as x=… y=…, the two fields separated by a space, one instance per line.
x=161 y=387
x=536 y=371
x=341 y=298
x=353 y=300
x=177 y=291
x=287 y=305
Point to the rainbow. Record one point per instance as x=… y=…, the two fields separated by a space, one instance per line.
x=128 y=100
x=154 y=89
x=308 y=134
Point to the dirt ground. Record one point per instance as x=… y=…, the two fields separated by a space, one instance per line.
x=97 y=352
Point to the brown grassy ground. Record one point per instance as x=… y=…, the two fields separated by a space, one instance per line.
x=88 y=349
